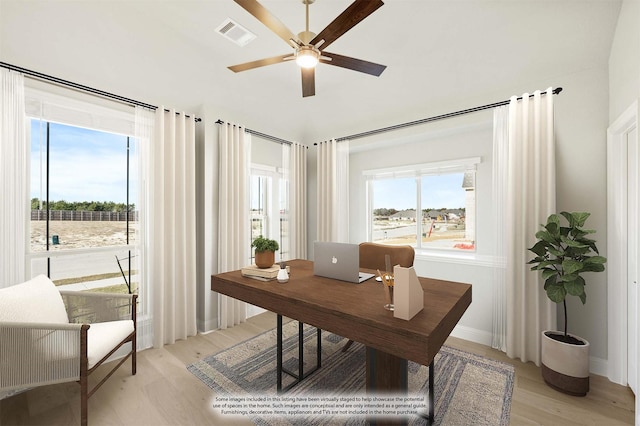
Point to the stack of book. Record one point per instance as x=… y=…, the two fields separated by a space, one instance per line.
x=262 y=274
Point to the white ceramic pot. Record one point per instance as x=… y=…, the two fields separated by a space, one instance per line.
x=565 y=367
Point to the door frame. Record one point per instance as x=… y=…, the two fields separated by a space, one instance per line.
x=617 y=241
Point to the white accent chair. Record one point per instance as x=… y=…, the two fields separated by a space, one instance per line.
x=49 y=336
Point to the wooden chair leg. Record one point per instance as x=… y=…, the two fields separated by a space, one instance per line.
x=134 y=353
x=84 y=377
x=347 y=346
x=84 y=416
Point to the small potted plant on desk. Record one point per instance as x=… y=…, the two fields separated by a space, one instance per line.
x=265 y=251
x=563 y=253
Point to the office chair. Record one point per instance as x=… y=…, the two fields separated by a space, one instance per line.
x=372 y=256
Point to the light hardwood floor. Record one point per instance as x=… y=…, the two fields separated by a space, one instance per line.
x=163 y=392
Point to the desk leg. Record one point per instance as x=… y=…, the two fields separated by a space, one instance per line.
x=300 y=375
x=386 y=374
x=432 y=404
x=431 y=397
x=279 y=354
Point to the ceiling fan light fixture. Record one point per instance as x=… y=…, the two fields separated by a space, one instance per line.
x=307 y=56
x=308 y=46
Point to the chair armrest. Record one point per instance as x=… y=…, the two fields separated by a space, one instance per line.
x=87 y=307
x=46 y=326
x=33 y=354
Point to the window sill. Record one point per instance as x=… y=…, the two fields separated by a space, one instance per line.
x=471 y=259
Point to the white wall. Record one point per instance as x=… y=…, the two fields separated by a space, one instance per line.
x=624 y=61
x=624 y=89
x=207 y=235
x=263 y=152
x=581 y=113
x=581 y=125
x=460 y=137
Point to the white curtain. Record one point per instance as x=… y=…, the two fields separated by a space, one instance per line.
x=333 y=191
x=14 y=172
x=144 y=124
x=529 y=163
x=499 y=180
x=233 y=215
x=294 y=160
x=171 y=219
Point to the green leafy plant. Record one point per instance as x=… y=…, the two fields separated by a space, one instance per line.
x=264 y=244
x=563 y=253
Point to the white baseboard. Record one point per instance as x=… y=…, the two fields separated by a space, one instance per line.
x=254 y=310
x=208 y=326
x=597 y=365
x=472 y=334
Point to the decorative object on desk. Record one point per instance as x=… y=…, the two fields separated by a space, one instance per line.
x=387 y=282
x=408 y=294
x=469 y=389
x=387 y=264
x=562 y=254
x=374 y=256
x=265 y=251
x=267 y=274
x=283 y=275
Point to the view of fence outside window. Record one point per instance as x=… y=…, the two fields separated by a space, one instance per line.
x=423 y=207
x=84 y=221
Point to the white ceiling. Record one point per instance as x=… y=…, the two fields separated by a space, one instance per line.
x=441 y=55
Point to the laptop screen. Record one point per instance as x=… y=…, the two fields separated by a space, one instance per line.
x=340 y=261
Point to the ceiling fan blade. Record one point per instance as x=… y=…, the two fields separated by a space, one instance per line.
x=260 y=63
x=308 y=82
x=270 y=21
x=348 y=19
x=353 y=64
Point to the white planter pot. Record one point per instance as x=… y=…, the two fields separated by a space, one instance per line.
x=565 y=367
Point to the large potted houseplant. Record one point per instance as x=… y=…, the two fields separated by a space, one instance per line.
x=563 y=253
x=265 y=251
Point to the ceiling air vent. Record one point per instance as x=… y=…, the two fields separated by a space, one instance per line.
x=235 y=32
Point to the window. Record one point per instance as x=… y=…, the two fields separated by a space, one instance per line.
x=269 y=207
x=429 y=206
x=83 y=207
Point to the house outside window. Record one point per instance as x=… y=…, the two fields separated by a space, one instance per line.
x=429 y=206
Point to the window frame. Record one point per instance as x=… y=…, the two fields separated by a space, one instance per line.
x=418 y=171
x=275 y=182
x=71 y=109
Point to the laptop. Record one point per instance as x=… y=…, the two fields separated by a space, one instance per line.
x=340 y=261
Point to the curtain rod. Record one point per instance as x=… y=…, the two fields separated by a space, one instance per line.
x=262 y=135
x=81 y=87
x=434 y=118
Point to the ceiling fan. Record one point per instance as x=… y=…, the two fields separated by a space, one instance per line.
x=309 y=47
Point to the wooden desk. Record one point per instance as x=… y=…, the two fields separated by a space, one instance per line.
x=355 y=311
